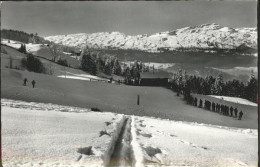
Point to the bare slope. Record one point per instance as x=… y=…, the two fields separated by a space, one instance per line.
x=155 y=101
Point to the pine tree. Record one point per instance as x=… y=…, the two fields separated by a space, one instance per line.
x=127 y=75
x=251 y=89
x=107 y=68
x=88 y=64
x=24 y=48
x=219 y=84
x=117 y=68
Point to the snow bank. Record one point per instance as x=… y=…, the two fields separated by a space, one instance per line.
x=41 y=106
x=115 y=132
x=74 y=77
x=138 y=155
x=235 y=100
x=86 y=77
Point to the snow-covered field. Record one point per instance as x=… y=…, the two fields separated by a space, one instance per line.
x=235 y=100
x=86 y=77
x=31 y=48
x=38 y=134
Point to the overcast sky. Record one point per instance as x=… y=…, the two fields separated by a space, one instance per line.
x=132 y=18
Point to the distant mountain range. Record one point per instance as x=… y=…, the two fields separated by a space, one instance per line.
x=207 y=37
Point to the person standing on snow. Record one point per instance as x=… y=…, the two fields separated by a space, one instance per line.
x=240 y=115
x=231 y=111
x=235 y=112
x=25 y=81
x=33 y=83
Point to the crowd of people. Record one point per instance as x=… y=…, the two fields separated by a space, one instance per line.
x=25 y=82
x=218 y=108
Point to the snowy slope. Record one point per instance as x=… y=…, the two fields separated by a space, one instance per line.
x=206 y=36
x=235 y=100
x=38 y=134
x=30 y=48
x=171 y=143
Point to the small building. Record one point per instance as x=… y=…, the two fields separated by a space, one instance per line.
x=160 y=78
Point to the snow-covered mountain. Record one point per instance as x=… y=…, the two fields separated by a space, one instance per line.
x=206 y=36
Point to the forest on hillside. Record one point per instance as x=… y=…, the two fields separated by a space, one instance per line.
x=22 y=36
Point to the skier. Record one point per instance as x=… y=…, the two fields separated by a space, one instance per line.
x=25 y=81
x=33 y=83
x=240 y=115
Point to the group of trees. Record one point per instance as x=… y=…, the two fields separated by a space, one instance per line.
x=63 y=62
x=32 y=63
x=132 y=72
x=22 y=48
x=182 y=83
x=93 y=63
x=88 y=63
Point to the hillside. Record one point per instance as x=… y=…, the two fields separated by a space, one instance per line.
x=154 y=101
x=41 y=50
x=208 y=37
x=44 y=55
x=22 y=36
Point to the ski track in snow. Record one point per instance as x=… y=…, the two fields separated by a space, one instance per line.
x=129 y=144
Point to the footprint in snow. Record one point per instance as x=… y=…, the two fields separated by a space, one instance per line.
x=103 y=132
x=151 y=151
x=173 y=135
x=85 y=150
x=146 y=135
x=194 y=146
x=108 y=123
x=141 y=121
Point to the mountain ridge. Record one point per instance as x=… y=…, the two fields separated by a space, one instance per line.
x=205 y=36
